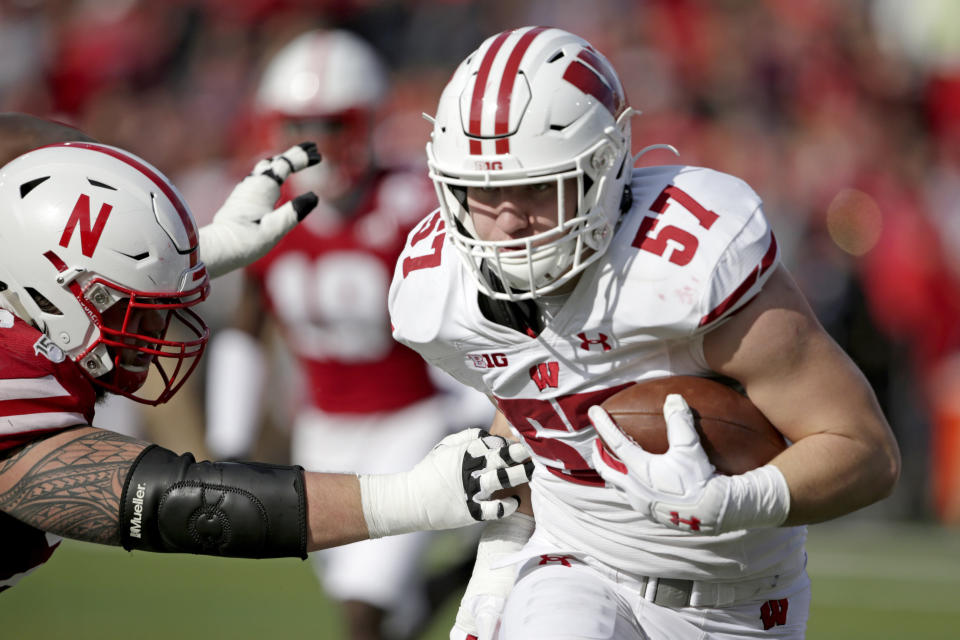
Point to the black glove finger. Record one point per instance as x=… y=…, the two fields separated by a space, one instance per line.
x=514 y=453
x=313 y=155
x=304 y=203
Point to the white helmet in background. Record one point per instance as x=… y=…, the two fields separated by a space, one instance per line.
x=325 y=86
x=93 y=238
x=322 y=73
x=533 y=105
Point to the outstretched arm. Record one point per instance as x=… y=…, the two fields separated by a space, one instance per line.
x=100 y=486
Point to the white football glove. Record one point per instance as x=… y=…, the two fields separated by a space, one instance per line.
x=486 y=593
x=450 y=488
x=247 y=225
x=681 y=488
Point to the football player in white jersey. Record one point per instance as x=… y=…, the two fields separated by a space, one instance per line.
x=553 y=275
x=100 y=273
x=367 y=403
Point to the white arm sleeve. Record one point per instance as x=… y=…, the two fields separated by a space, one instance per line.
x=236 y=371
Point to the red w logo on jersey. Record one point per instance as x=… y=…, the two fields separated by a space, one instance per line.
x=545 y=374
x=89 y=234
x=773 y=613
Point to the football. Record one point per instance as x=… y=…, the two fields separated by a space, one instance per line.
x=736 y=436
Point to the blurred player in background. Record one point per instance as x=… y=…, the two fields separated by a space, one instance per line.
x=100 y=275
x=554 y=275
x=365 y=402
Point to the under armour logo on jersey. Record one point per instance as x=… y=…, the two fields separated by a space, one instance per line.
x=46 y=348
x=774 y=613
x=545 y=374
x=693 y=522
x=601 y=340
x=80 y=217
x=552 y=559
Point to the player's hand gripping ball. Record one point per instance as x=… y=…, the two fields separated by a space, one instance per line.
x=735 y=435
x=662 y=468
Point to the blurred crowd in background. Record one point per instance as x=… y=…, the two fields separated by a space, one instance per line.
x=843 y=116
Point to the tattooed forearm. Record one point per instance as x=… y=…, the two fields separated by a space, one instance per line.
x=70 y=484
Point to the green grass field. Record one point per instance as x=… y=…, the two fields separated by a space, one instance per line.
x=870 y=581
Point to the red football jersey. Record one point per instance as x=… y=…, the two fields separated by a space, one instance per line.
x=41 y=391
x=326 y=283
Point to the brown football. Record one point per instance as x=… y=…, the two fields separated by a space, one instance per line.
x=735 y=434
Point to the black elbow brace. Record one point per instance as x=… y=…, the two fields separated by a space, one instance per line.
x=174 y=504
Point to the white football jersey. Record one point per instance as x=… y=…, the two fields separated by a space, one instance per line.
x=694 y=248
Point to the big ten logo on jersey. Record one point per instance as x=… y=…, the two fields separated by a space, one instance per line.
x=487 y=360
x=89 y=233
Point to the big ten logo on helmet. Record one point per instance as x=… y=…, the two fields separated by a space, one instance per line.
x=487 y=165
x=487 y=360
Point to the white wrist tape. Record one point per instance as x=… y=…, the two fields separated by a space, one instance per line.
x=388 y=506
x=451 y=487
x=757 y=498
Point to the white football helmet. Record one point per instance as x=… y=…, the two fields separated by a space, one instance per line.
x=533 y=105
x=91 y=231
x=322 y=73
x=325 y=86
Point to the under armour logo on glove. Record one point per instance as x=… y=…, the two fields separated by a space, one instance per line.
x=247 y=225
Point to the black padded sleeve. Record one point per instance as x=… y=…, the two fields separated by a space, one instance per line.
x=171 y=503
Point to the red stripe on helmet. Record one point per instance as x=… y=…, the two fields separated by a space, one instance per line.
x=480 y=86
x=591 y=83
x=157 y=179
x=600 y=66
x=502 y=123
x=55 y=260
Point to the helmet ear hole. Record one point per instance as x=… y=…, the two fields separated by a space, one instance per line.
x=587 y=184
x=626 y=200
x=45 y=305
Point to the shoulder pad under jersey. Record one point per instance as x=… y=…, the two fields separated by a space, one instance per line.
x=694 y=247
